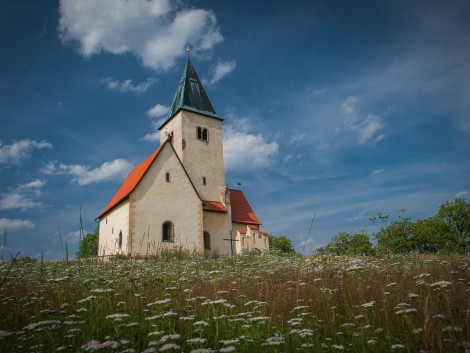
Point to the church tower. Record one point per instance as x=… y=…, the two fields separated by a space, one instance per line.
x=195 y=131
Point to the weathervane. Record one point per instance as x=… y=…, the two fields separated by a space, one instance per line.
x=188 y=50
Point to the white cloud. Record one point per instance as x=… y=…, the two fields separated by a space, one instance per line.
x=35 y=184
x=83 y=175
x=17 y=200
x=15 y=224
x=461 y=195
x=348 y=107
x=74 y=237
x=296 y=137
x=151 y=136
x=20 y=150
x=222 y=69
x=127 y=85
x=377 y=172
x=158 y=111
x=21 y=197
x=245 y=151
x=49 y=168
x=368 y=127
x=154 y=136
x=157 y=32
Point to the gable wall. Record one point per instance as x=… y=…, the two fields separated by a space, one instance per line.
x=109 y=227
x=155 y=201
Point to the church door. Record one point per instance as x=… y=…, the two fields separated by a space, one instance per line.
x=207 y=241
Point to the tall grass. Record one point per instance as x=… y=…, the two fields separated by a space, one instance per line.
x=240 y=304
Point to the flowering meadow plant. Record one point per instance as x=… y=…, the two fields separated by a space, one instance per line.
x=237 y=304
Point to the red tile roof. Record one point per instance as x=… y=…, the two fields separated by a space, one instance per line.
x=253 y=227
x=214 y=206
x=242 y=231
x=264 y=233
x=131 y=181
x=241 y=209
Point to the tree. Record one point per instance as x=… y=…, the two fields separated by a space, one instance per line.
x=456 y=215
x=89 y=245
x=281 y=244
x=344 y=243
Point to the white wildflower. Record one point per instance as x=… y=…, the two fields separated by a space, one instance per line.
x=441 y=284
x=274 y=341
x=397 y=346
x=196 y=340
x=200 y=323
x=168 y=346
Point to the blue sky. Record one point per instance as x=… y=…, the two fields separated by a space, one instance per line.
x=336 y=107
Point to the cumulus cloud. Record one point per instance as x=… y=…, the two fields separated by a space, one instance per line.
x=246 y=151
x=461 y=195
x=83 y=175
x=20 y=150
x=222 y=69
x=154 y=136
x=158 y=111
x=127 y=85
x=22 y=196
x=15 y=224
x=154 y=31
x=17 y=200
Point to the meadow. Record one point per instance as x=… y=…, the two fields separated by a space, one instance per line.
x=178 y=303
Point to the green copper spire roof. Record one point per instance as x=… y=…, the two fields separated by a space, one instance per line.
x=191 y=96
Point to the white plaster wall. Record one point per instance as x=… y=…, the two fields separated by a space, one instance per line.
x=174 y=125
x=110 y=225
x=155 y=201
x=201 y=158
x=218 y=225
x=253 y=238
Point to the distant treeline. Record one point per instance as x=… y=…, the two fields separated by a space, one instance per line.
x=446 y=232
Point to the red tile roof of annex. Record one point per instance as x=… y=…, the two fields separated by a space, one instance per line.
x=241 y=209
x=214 y=206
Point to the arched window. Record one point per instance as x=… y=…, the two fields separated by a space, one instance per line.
x=167 y=231
x=120 y=240
x=202 y=134
x=207 y=241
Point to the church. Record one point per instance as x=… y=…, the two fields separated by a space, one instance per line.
x=177 y=197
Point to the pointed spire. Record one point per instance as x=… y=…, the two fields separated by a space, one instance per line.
x=190 y=95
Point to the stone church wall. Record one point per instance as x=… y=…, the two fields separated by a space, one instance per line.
x=156 y=201
x=115 y=222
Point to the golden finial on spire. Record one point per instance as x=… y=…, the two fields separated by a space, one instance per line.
x=188 y=50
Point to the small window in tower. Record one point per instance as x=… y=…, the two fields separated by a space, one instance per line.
x=167 y=177
x=112 y=230
x=120 y=240
x=203 y=180
x=202 y=134
x=106 y=220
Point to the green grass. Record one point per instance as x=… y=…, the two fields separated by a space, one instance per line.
x=241 y=304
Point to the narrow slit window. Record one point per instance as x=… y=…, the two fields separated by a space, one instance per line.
x=203 y=180
x=167 y=231
x=167 y=177
x=120 y=240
